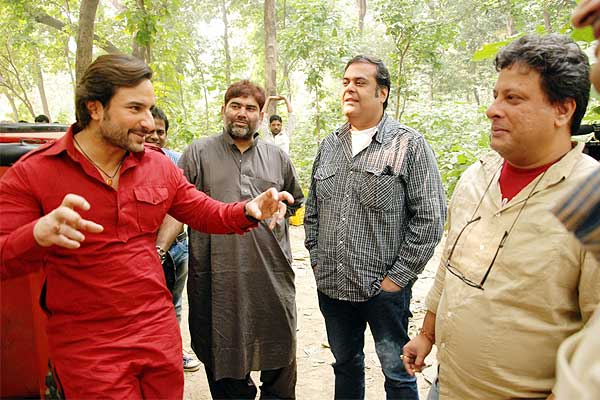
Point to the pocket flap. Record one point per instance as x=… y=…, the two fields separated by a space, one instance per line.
x=325 y=171
x=151 y=195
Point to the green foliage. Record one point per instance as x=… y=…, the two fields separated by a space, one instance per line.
x=458 y=134
x=438 y=52
x=489 y=50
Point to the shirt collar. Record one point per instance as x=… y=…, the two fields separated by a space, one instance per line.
x=491 y=161
x=379 y=135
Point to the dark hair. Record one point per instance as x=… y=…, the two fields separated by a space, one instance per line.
x=42 y=118
x=275 y=117
x=563 y=67
x=245 y=88
x=103 y=77
x=158 y=113
x=382 y=75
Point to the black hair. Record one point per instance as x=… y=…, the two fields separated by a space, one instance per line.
x=42 y=118
x=564 y=69
x=103 y=77
x=158 y=113
x=382 y=75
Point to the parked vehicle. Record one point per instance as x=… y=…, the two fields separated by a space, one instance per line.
x=24 y=348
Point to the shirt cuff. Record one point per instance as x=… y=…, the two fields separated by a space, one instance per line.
x=401 y=275
x=432 y=300
x=313 y=256
x=245 y=222
x=21 y=253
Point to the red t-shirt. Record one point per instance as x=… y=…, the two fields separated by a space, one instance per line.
x=513 y=180
x=110 y=293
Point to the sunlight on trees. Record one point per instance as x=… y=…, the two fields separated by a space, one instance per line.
x=439 y=53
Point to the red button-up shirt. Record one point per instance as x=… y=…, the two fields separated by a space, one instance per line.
x=111 y=289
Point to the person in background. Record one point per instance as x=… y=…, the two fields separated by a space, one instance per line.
x=42 y=119
x=175 y=259
x=513 y=283
x=275 y=132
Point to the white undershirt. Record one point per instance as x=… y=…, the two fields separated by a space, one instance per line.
x=361 y=139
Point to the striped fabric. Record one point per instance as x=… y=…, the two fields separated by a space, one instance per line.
x=377 y=214
x=580 y=213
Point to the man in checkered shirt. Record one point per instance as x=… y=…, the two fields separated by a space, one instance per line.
x=374 y=215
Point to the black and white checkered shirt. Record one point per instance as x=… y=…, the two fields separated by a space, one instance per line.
x=380 y=213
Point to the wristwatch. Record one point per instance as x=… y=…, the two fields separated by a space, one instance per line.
x=161 y=253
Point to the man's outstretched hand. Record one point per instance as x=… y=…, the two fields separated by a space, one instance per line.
x=269 y=204
x=63 y=226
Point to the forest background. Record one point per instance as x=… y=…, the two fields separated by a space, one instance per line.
x=439 y=53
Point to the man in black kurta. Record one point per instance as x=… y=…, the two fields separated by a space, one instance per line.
x=241 y=288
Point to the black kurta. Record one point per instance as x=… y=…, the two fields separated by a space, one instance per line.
x=241 y=290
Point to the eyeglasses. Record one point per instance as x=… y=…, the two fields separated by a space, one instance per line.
x=455 y=271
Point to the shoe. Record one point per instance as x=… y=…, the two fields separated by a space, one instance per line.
x=190 y=364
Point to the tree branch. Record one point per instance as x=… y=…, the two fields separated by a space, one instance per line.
x=45 y=19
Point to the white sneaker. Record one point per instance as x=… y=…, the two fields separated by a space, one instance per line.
x=190 y=364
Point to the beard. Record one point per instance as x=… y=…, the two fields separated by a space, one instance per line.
x=115 y=135
x=237 y=132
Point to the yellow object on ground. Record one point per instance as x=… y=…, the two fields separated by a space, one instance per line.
x=298 y=218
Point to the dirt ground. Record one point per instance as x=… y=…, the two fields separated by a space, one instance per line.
x=315 y=374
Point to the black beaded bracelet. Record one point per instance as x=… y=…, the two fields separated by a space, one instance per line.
x=250 y=217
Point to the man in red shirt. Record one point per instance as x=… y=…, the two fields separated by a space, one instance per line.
x=86 y=209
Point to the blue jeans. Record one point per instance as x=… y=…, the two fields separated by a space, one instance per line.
x=179 y=257
x=387 y=315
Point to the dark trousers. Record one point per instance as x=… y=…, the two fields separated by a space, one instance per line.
x=387 y=315
x=276 y=384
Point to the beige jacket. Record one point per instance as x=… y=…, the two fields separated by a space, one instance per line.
x=501 y=342
x=578 y=364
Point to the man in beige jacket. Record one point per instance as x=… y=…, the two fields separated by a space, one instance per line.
x=513 y=283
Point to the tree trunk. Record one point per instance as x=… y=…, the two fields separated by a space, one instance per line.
x=85 y=36
x=141 y=50
x=182 y=99
x=476 y=94
x=400 y=65
x=200 y=71
x=270 y=51
x=510 y=22
x=68 y=64
x=15 y=110
x=362 y=11
x=547 y=22
x=317 y=117
x=431 y=88
x=226 y=44
x=286 y=65
x=13 y=81
x=42 y=90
